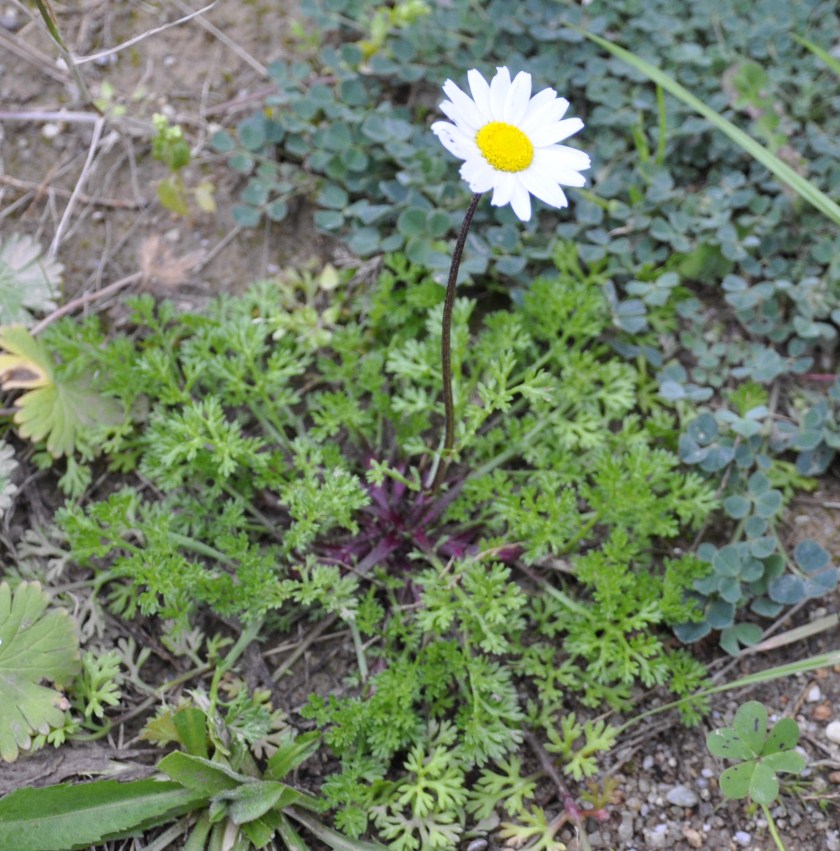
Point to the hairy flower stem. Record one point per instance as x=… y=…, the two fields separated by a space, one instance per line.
x=446 y=345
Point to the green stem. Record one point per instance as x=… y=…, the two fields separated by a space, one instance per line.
x=360 y=651
x=201 y=548
x=446 y=343
x=771 y=826
x=249 y=634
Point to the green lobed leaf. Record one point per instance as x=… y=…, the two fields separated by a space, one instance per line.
x=33 y=646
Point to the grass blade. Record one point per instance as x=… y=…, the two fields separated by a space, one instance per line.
x=781 y=169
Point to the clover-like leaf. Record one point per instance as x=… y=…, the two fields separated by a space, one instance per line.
x=763 y=754
x=33 y=646
x=28 y=280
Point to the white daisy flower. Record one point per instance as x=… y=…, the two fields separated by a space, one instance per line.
x=509 y=140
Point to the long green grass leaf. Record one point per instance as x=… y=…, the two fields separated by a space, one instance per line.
x=62 y=817
x=781 y=169
x=824 y=55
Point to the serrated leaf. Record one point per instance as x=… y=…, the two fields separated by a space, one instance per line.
x=63 y=817
x=28 y=280
x=52 y=410
x=33 y=646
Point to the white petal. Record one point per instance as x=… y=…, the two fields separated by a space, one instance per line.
x=521 y=201
x=478 y=173
x=454 y=139
x=465 y=106
x=503 y=189
x=480 y=89
x=539 y=100
x=516 y=102
x=545 y=190
x=547 y=113
x=550 y=134
x=561 y=157
x=499 y=87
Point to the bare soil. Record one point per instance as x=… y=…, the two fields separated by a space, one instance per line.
x=206 y=72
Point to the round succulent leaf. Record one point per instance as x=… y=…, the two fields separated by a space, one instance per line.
x=333 y=197
x=222 y=142
x=758 y=483
x=245 y=216
x=277 y=210
x=727 y=560
x=769 y=504
x=412 y=221
x=810 y=556
x=720 y=614
x=364 y=242
x=764 y=785
x=762 y=547
x=787 y=589
x=735 y=781
x=691 y=452
x=251 y=131
x=729 y=589
x=719 y=457
x=821 y=583
x=765 y=607
x=328 y=219
x=242 y=162
x=703 y=429
x=691 y=632
x=752 y=569
x=736 y=506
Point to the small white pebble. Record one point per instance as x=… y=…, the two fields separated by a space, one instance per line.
x=50 y=130
x=832 y=732
x=707 y=773
x=682 y=796
x=742 y=838
x=814 y=694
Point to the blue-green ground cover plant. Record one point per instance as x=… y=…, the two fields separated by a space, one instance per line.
x=614 y=474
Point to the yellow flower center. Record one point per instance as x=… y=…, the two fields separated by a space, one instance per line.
x=504 y=146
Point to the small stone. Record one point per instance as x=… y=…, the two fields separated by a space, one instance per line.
x=693 y=837
x=832 y=732
x=682 y=796
x=814 y=694
x=821 y=712
x=832 y=840
x=625 y=829
x=742 y=838
x=834 y=777
x=50 y=130
x=647 y=763
x=656 y=837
